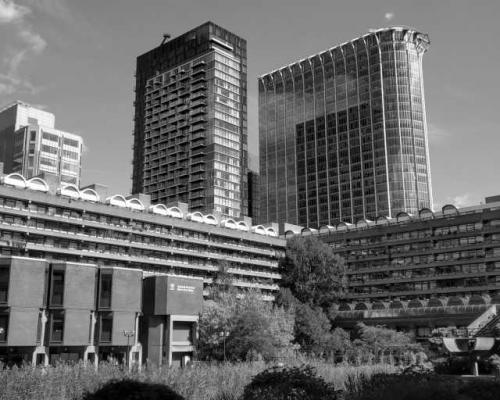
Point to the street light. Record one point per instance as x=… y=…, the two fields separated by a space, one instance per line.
x=224 y=335
x=128 y=335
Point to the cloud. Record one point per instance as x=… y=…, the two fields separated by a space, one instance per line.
x=437 y=135
x=34 y=40
x=460 y=200
x=11 y=12
x=27 y=44
x=389 y=16
x=55 y=8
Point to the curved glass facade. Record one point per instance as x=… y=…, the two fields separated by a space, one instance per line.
x=343 y=133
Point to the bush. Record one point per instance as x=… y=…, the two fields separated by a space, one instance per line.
x=403 y=387
x=421 y=387
x=480 y=389
x=297 y=383
x=128 y=389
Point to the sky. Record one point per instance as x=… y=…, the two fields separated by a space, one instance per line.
x=77 y=59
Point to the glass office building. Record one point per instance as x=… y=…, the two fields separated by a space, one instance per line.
x=343 y=133
x=190 y=137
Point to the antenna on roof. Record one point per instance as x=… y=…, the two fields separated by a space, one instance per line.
x=166 y=36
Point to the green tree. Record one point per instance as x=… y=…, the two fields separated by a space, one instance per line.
x=372 y=342
x=312 y=272
x=312 y=330
x=252 y=327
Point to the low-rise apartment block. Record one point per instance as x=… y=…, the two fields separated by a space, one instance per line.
x=419 y=272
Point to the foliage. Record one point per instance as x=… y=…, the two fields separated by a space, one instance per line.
x=313 y=333
x=420 y=387
x=201 y=381
x=249 y=328
x=494 y=362
x=377 y=343
x=297 y=383
x=128 y=389
x=312 y=271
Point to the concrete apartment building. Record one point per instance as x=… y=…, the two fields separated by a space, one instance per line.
x=63 y=311
x=31 y=146
x=190 y=129
x=419 y=272
x=72 y=263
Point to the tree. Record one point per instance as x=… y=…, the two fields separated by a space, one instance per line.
x=312 y=271
x=253 y=327
x=312 y=329
x=376 y=341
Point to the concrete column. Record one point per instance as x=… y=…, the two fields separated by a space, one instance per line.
x=170 y=325
x=44 y=327
x=93 y=321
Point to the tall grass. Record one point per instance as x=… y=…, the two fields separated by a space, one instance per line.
x=201 y=381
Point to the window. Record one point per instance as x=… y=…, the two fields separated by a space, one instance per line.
x=4 y=325
x=106 y=327
x=105 y=290
x=57 y=326
x=57 y=292
x=70 y=142
x=4 y=284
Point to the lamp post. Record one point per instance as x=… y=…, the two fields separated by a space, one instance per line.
x=224 y=335
x=128 y=335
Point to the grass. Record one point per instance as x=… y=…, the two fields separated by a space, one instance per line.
x=199 y=382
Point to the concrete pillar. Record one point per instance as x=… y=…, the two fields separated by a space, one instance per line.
x=475 y=368
x=93 y=321
x=44 y=320
x=170 y=325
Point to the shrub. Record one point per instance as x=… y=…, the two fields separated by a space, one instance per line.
x=128 y=389
x=480 y=389
x=403 y=387
x=297 y=383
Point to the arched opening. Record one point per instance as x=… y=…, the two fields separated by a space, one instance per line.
x=175 y=212
x=495 y=299
x=378 y=306
x=117 y=200
x=89 y=195
x=435 y=302
x=160 y=209
x=289 y=234
x=210 y=220
x=243 y=226
x=476 y=299
x=345 y=307
x=135 y=204
x=37 y=184
x=455 y=301
x=403 y=217
x=343 y=226
x=69 y=190
x=396 y=304
x=308 y=231
x=15 y=180
x=449 y=209
x=426 y=213
x=415 y=303
x=229 y=223
x=361 y=306
x=259 y=229
x=326 y=229
x=271 y=232
x=195 y=216
x=382 y=220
